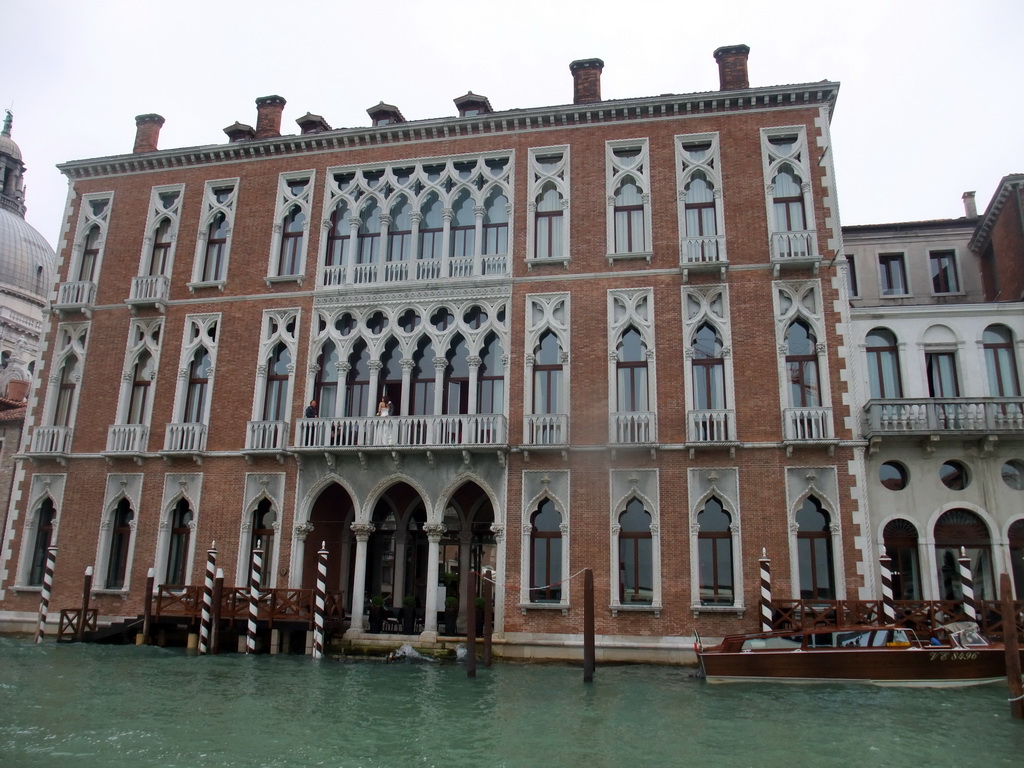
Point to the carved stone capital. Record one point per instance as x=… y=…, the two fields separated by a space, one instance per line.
x=434 y=532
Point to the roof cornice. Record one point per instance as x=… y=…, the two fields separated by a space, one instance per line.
x=510 y=121
x=980 y=239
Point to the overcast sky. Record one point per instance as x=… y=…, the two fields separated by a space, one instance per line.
x=930 y=104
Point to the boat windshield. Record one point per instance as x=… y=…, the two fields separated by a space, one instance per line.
x=965 y=634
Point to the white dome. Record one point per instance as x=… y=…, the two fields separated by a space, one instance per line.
x=27 y=262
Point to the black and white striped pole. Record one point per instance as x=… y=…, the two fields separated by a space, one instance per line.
x=321 y=602
x=766 y=591
x=967 y=585
x=205 y=622
x=255 y=576
x=44 y=597
x=888 y=604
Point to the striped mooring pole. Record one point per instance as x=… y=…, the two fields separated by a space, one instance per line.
x=888 y=605
x=205 y=622
x=321 y=601
x=44 y=598
x=766 y=591
x=255 y=576
x=967 y=585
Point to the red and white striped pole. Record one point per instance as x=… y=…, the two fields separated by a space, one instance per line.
x=205 y=622
x=321 y=602
x=255 y=577
x=967 y=585
x=766 y=591
x=44 y=598
x=888 y=605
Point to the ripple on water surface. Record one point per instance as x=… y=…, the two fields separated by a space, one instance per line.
x=85 y=705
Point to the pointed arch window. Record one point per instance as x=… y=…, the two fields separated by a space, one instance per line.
x=216 y=243
x=714 y=552
x=178 y=544
x=802 y=366
x=325 y=389
x=357 y=398
x=400 y=231
x=198 y=384
x=631 y=372
x=456 y=378
x=883 y=364
x=66 y=393
x=338 y=237
x=431 y=228
x=629 y=218
x=491 y=377
x=276 y=395
x=636 y=555
x=548 y=232
x=368 y=236
x=900 y=541
x=546 y=554
x=423 y=380
x=1000 y=362
x=263 y=521
x=142 y=381
x=44 y=538
x=788 y=201
x=547 y=375
x=120 y=540
x=814 y=552
x=708 y=369
x=292 y=235
x=90 y=255
x=463 y=227
x=496 y=224
x=161 y=249
x=699 y=207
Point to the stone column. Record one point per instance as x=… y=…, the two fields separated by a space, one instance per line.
x=499 y=568
x=474 y=381
x=375 y=367
x=434 y=532
x=447 y=214
x=416 y=218
x=343 y=367
x=407 y=365
x=440 y=363
x=362 y=532
x=478 y=237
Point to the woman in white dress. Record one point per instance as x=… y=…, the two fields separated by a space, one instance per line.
x=384 y=427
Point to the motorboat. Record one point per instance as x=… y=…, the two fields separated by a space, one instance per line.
x=957 y=655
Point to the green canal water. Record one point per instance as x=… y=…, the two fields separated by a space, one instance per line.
x=87 y=705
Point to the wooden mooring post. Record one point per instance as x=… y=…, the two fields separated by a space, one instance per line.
x=488 y=620
x=588 y=626
x=1012 y=646
x=471 y=627
x=86 y=593
x=147 y=608
x=218 y=592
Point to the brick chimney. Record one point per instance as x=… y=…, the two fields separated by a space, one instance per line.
x=239 y=132
x=268 y=116
x=970 y=206
x=732 y=67
x=586 y=76
x=147 y=132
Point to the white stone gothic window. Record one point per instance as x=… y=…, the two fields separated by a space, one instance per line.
x=635 y=541
x=789 y=200
x=216 y=225
x=272 y=397
x=291 y=230
x=93 y=218
x=162 y=222
x=632 y=373
x=628 y=189
x=547 y=228
x=546 y=370
x=66 y=375
x=138 y=379
x=40 y=533
x=699 y=196
x=707 y=356
x=445 y=218
x=261 y=525
x=116 y=546
x=176 y=543
x=802 y=361
x=192 y=403
x=716 y=568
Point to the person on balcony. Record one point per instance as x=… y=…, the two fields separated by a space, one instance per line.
x=311 y=410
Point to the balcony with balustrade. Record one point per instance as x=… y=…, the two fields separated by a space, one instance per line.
x=935 y=418
x=807 y=426
x=795 y=249
x=77 y=296
x=400 y=433
x=127 y=441
x=416 y=271
x=546 y=430
x=702 y=254
x=185 y=440
x=149 y=291
x=50 y=443
x=633 y=428
x=711 y=429
x=266 y=438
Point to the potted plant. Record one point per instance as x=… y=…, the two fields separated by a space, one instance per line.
x=451 y=614
x=376 y=613
x=408 y=614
